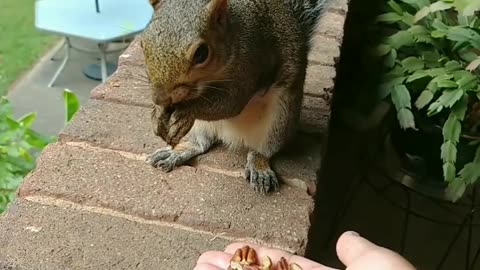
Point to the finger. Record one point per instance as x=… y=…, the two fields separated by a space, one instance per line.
x=351 y=246
x=276 y=254
x=207 y=266
x=216 y=258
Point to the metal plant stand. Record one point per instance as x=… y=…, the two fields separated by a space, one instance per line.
x=390 y=173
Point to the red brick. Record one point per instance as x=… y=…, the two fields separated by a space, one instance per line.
x=318 y=79
x=114 y=126
x=204 y=200
x=126 y=86
x=339 y=6
x=36 y=236
x=331 y=25
x=324 y=50
x=127 y=128
x=315 y=115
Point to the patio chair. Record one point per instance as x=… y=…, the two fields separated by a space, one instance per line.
x=114 y=20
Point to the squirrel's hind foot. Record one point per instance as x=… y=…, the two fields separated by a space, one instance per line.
x=258 y=172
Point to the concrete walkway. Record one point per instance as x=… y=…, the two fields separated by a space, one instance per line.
x=31 y=93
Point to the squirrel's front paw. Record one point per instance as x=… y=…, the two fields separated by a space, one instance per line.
x=258 y=172
x=165 y=158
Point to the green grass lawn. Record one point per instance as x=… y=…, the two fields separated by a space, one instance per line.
x=21 y=45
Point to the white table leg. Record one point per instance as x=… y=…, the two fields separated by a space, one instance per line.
x=64 y=43
x=103 y=61
x=64 y=62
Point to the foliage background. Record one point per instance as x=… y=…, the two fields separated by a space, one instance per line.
x=433 y=55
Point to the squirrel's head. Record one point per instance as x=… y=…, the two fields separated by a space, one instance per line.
x=186 y=48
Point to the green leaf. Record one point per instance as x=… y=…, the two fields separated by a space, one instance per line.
x=459 y=109
x=391 y=58
x=453 y=65
x=27 y=120
x=452 y=129
x=467 y=55
x=439 y=6
x=449 y=172
x=416 y=4
x=456 y=189
x=450 y=97
x=470 y=173
x=412 y=64
x=476 y=160
x=405 y=118
x=71 y=104
x=383 y=49
x=439 y=25
x=424 y=99
x=438 y=34
x=449 y=152
x=37 y=140
x=401 y=39
x=408 y=19
x=465 y=79
x=420 y=33
x=472 y=7
x=384 y=90
x=447 y=84
x=419 y=74
x=439 y=74
x=460 y=34
x=434 y=108
x=390 y=17
x=401 y=97
x=395 y=7
x=422 y=13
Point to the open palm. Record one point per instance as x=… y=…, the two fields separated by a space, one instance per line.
x=354 y=251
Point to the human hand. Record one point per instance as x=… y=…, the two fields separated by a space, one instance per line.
x=354 y=251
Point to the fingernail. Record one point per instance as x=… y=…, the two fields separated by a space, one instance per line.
x=352 y=233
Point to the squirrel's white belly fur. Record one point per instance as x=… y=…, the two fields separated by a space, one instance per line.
x=251 y=128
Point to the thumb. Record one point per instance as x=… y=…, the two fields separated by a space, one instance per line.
x=351 y=246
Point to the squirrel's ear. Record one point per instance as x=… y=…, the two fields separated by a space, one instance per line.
x=218 y=12
x=155 y=4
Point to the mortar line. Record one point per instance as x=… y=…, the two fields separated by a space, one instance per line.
x=141 y=157
x=65 y=204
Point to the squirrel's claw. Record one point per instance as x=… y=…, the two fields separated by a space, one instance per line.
x=258 y=172
x=165 y=158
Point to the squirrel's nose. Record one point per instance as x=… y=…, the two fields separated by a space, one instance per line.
x=179 y=93
x=160 y=99
x=166 y=98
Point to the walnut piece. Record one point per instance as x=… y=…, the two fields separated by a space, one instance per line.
x=283 y=265
x=245 y=258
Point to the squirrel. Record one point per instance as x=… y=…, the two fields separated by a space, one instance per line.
x=230 y=71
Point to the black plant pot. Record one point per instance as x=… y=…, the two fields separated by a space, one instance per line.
x=420 y=149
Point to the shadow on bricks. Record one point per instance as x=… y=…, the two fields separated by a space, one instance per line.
x=352 y=136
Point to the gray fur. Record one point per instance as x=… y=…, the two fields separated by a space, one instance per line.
x=308 y=13
x=264 y=48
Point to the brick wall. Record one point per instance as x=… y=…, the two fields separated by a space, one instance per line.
x=93 y=203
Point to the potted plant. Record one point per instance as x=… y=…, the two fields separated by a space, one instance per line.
x=432 y=55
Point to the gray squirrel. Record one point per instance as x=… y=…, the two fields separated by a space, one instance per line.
x=230 y=71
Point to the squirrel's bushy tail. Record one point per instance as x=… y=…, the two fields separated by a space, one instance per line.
x=308 y=13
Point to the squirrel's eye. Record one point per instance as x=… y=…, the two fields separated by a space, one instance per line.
x=201 y=54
